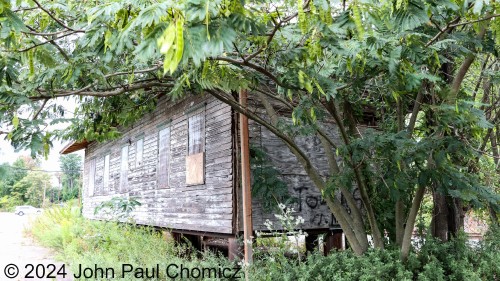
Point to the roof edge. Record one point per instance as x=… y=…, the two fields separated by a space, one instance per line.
x=73 y=146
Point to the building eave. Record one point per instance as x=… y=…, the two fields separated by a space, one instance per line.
x=74 y=146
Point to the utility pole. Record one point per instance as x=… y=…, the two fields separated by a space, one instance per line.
x=245 y=182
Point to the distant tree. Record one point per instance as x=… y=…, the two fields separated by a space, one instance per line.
x=17 y=171
x=11 y=174
x=32 y=187
x=54 y=195
x=19 y=183
x=29 y=162
x=71 y=166
x=4 y=174
x=3 y=170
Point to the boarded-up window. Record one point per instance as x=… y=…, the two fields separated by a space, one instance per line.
x=106 y=174
x=124 y=169
x=163 y=157
x=196 y=134
x=195 y=161
x=91 y=179
x=139 y=147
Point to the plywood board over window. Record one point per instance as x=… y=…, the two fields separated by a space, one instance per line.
x=195 y=161
x=124 y=169
x=163 y=157
x=91 y=179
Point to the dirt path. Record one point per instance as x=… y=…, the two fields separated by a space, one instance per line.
x=19 y=250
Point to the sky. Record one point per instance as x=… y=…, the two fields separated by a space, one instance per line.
x=9 y=155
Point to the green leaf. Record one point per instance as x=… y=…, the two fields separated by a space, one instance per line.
x=302 y=17
x=356 y=15
x=394 y=59
x=15 y=121
x=313 y=114
x=14 y=20
x=413 y=16
x=179 y=44
x=166 y=40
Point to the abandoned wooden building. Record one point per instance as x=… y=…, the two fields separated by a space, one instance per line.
x=181 y=163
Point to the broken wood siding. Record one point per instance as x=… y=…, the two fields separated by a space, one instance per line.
x=204 y=207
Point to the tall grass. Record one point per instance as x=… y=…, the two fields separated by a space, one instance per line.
x=78 y=241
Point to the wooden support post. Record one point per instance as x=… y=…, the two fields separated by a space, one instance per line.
x=333 y=240
x=245 y=182
x=233 y=249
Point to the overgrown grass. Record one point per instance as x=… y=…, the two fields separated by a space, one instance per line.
x=107 y=244
x=78 y=241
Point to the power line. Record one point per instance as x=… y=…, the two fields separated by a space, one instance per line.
x=45 y=171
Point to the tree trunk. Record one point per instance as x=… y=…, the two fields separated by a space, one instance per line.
x=439 y=224
x=400 y=218
x=360 y=180
x=410 y=222
x=357 y=218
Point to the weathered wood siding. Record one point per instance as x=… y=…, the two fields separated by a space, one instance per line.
x=204 y=207
x=309 y=203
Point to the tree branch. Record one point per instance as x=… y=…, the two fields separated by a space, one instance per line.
x=108 y=92
x=490 y=130
x=464 y=68
x=40 y=109
x=416 y=109
x=56 y=19
x=410 y=222
x=257 y=68
x=481 y=74
x=475 y=21
x=84 y=92
x=442 y=31
x=355 y=216
x=24 y=9
x=48 y=41
x=377 y=238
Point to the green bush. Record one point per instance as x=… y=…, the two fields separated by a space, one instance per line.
x=454 y=260
x=9 y=203
x=109 y=244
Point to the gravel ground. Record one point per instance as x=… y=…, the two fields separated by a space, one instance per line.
x=16 y=248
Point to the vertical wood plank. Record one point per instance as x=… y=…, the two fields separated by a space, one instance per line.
x=91 y=178
x=124 y=169
x=163 y=157
x=138 y=152
x=106 y=174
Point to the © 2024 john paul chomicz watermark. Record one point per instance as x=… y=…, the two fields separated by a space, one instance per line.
x=158 y=271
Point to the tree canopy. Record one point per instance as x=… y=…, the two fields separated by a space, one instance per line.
x=22 y=182
x=71 y=167
x=412 y=86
